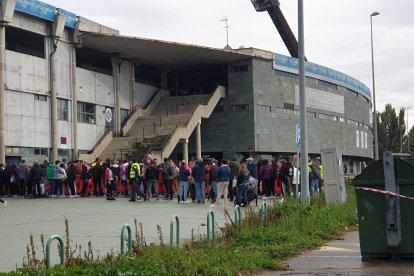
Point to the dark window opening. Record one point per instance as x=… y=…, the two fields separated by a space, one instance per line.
x=41 y=98
x=288 y=106
x=148 y=75
x=197 y=81
x=241 y=107
x=239 y=68
x=94 y=60
x=25 y=42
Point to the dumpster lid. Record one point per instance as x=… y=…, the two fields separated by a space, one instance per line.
x=373 y=175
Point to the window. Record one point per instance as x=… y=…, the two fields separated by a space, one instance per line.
x=311 y=114
x=62 y=109
x=63 y=152
x=352 y=122
x=285 y=74
x=288 y=106
x=40 y=151
x=41 y=98
x=240 y=107
x=328 y=117
x=239 y=68
x=327 y=84
x=342 y=119
x=86 y=113
x=287 y=111
x=264 y=108
x=25 y=42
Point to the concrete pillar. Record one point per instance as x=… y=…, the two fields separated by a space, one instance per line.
x=53 y=101
x=185 y=150
x=74 y=104
x=2 y=95
x=117 y=89
x=198 y=140
x=132 y=86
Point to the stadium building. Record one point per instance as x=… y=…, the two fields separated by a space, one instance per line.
x=72 y=88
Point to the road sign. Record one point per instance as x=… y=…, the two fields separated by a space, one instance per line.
x=297 y=134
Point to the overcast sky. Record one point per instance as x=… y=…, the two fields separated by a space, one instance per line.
x=337 y=33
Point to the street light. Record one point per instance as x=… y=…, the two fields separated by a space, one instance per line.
x=408 y=133
x=373 y=91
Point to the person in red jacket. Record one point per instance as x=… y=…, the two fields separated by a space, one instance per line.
x=266 y=174
x=109 y=181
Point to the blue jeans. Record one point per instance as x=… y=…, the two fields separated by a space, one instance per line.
x=183 y=190
x=199 y=186
x=314 y=186
x=214 y=190
x=242 y=194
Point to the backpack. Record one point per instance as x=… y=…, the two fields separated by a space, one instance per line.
x=170 y=171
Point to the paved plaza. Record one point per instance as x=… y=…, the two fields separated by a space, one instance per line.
x=92 y=219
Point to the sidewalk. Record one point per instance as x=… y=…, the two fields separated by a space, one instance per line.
x=341 y=257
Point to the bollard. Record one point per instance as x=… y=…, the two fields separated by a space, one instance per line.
x=210 y=216
x=238 y=216
x=177 y=230
x=62 y=249
x=264 y=213
x=126 y=226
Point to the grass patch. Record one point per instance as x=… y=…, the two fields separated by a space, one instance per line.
x=293 y=228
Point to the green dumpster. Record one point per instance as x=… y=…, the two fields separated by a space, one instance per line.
x=385 y=203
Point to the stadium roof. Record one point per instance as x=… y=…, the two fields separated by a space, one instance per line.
x=161 y=54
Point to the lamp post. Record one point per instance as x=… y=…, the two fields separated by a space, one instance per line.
x=408 y=133
x=376 y=157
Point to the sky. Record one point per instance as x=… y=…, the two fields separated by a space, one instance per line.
x=337 y=33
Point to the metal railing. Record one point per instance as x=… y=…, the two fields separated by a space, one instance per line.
x=211 y=228
x=264 y=213
x=238 y=216
x=126 y=226
x=62 y=249
x=177 y=230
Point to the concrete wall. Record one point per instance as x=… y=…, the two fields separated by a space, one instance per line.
x=276 y=130
x=259 y=132
x=231 y=131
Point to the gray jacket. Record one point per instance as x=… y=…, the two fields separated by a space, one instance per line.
x=23 y=171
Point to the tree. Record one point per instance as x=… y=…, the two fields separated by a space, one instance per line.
x=391 y=130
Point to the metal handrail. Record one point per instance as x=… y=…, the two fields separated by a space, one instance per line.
x=264 y=213
x=211 y=226
x=97 y=141
x=238 y=216
x=126 y=226
x=177 y=225
x=62 y=249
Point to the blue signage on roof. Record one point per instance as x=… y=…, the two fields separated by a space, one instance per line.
x=36 y=8
x=70 y=18
x=290 y=64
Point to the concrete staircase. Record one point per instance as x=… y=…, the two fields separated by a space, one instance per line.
x=153 y=133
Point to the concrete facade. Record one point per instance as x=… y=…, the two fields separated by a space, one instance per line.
x=268 y=126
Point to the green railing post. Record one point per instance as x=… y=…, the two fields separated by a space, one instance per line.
x=62 y=249
x=177 y=230
x=238 y=216
x=210 y=225
x=264 y=213
x=126 y=226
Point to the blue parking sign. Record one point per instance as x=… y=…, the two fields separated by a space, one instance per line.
x=297 y=134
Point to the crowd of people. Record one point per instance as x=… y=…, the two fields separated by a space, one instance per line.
x=197 y=181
